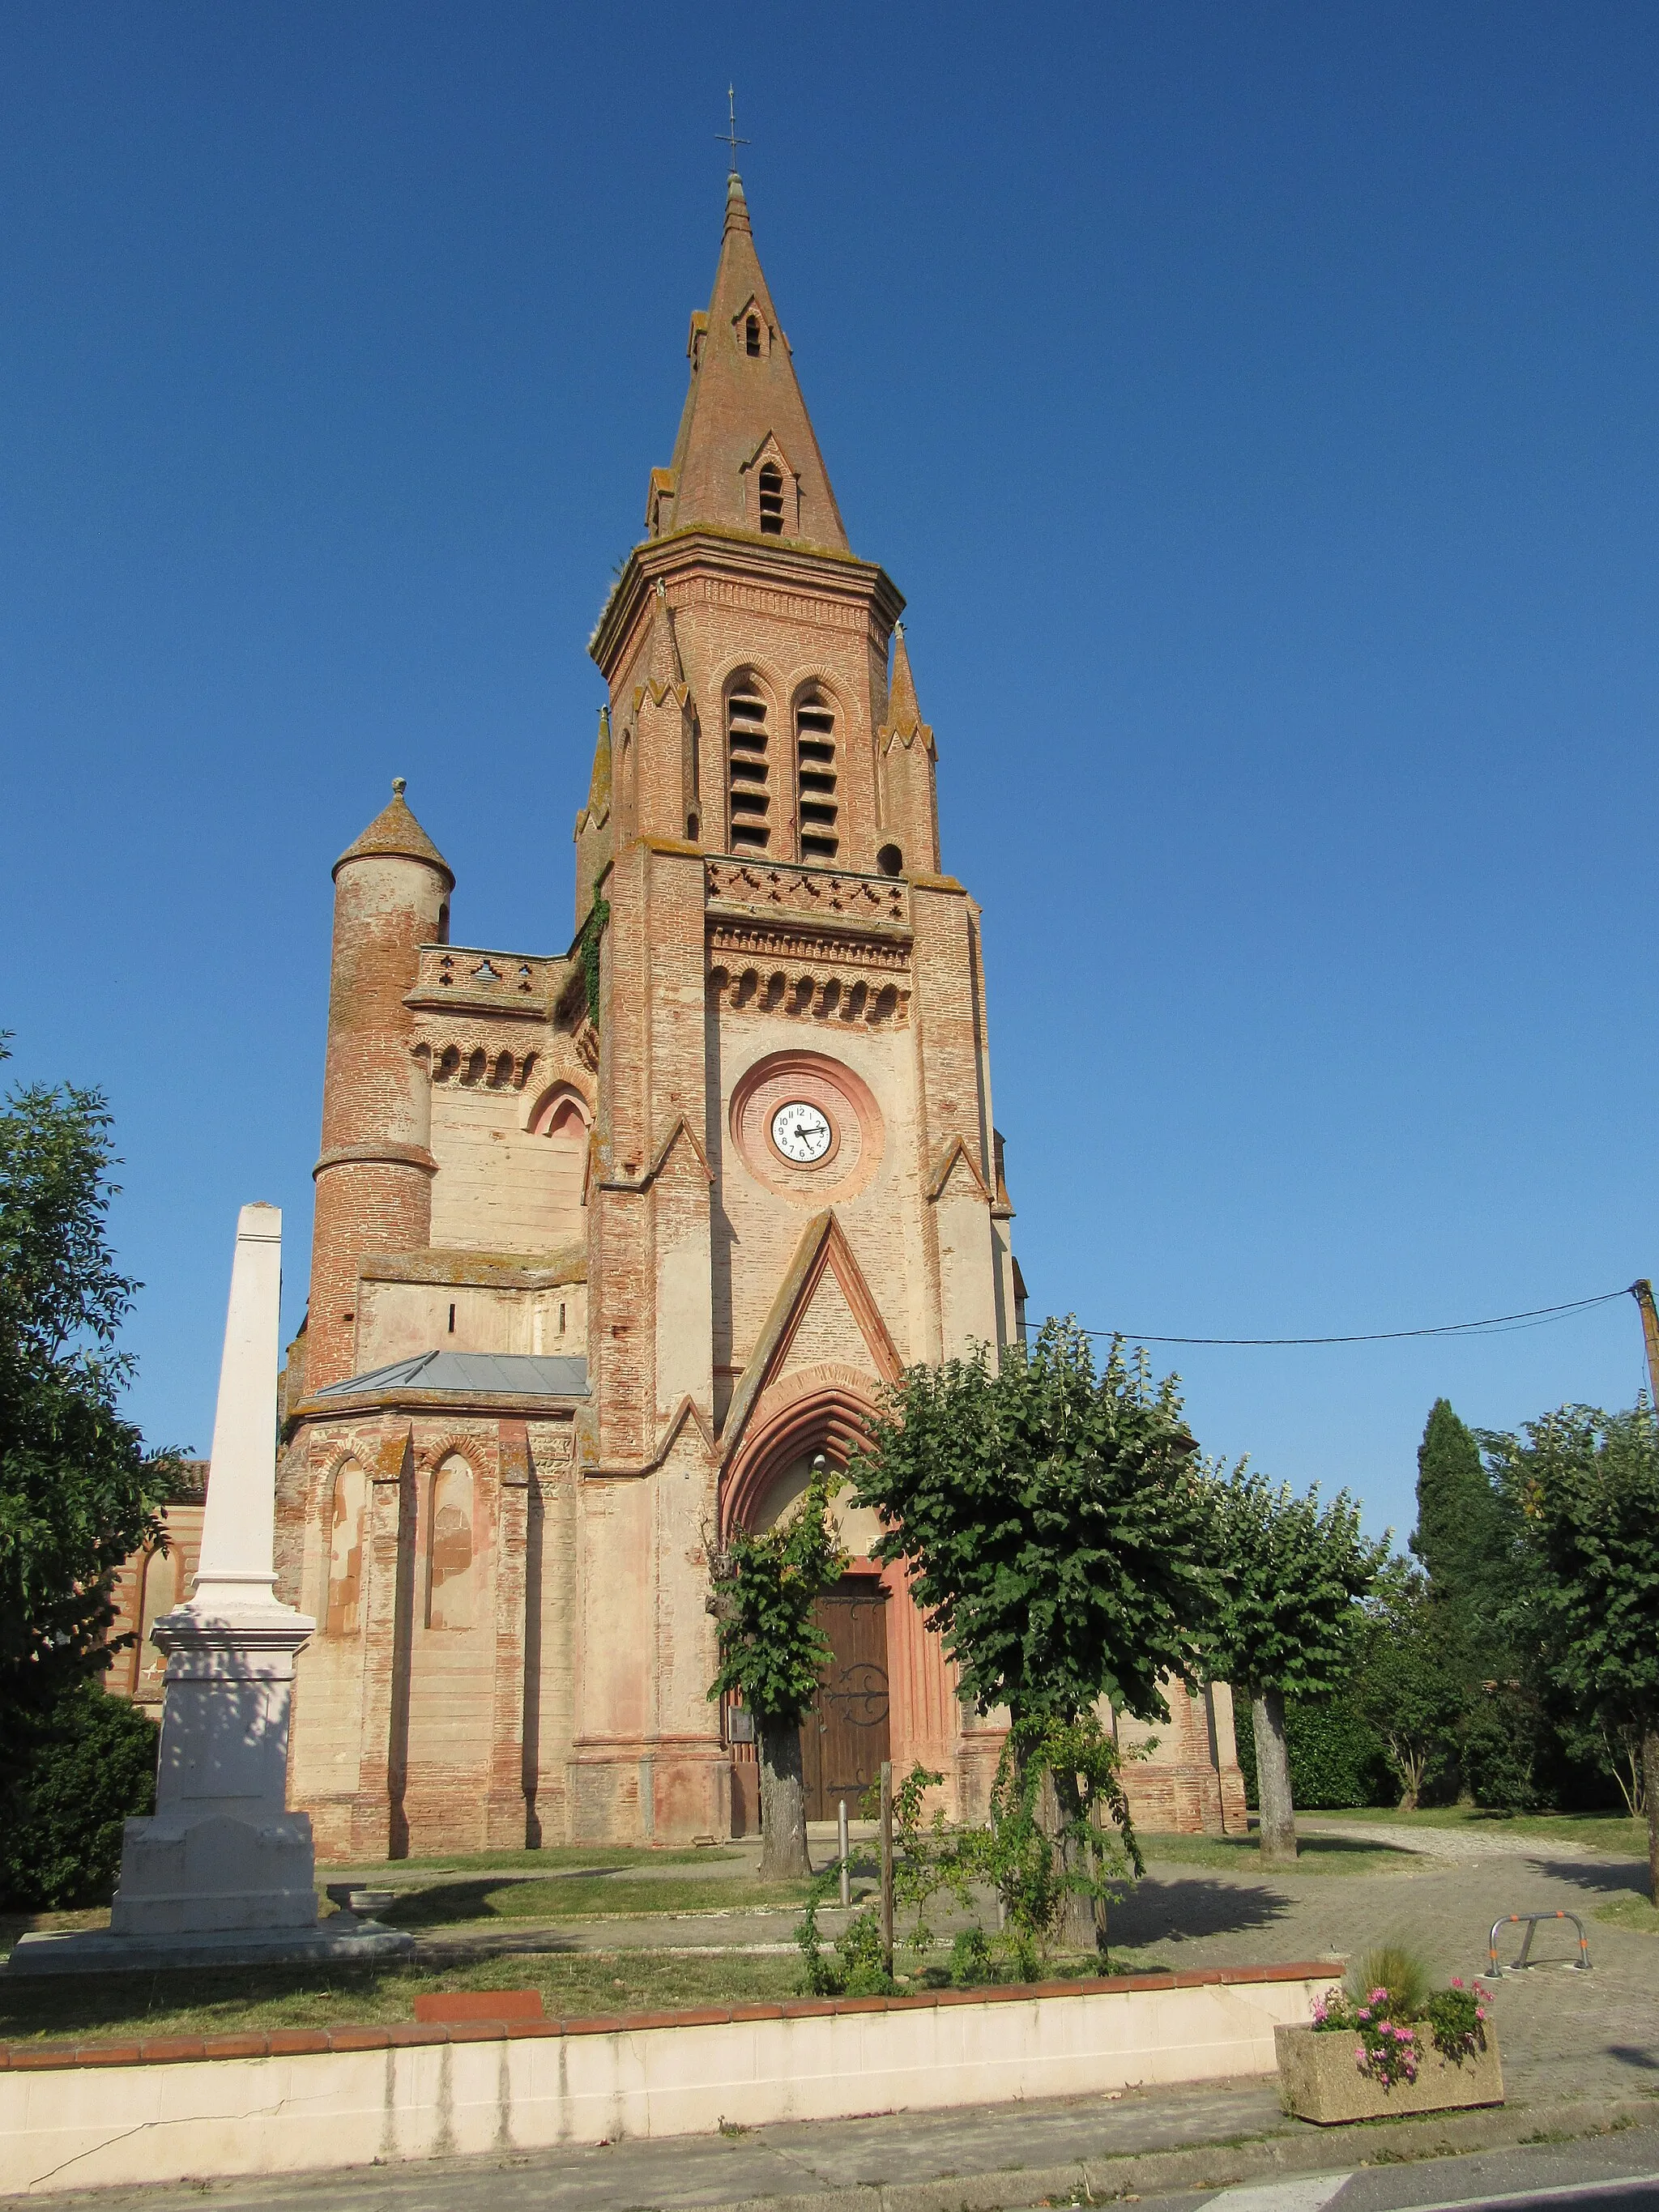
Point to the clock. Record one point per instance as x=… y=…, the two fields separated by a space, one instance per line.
x=802 y=1133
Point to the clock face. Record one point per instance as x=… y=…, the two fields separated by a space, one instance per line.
x=802 y=1133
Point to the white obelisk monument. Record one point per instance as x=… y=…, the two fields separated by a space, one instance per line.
x=222 y=1851
x=223 y=1874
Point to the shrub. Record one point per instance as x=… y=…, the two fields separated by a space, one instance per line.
x=89 y=1767
x=971 y=1959
x=855 y=1967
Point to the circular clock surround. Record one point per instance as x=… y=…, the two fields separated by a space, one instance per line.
x=803 y=1134
x=807 y=1128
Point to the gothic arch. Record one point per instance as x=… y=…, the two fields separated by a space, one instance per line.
x=833 y=1418
x=814 y=676
x=547 y=1106
x=472 y=1448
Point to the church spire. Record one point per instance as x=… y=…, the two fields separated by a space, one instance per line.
x=903 y=709
x=746 y=457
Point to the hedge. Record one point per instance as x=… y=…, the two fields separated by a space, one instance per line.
x=1336 y=1760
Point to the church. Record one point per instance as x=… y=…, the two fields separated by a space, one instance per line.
x=611 y=1243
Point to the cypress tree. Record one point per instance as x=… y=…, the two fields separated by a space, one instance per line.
x=1461 y=1536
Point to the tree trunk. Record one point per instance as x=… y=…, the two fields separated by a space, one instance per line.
x=1277 y=1828
x=1650 y=1786
x=783 y=1802
x=1082 y=1921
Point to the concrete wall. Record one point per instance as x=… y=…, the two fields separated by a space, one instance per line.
x=296 y=2101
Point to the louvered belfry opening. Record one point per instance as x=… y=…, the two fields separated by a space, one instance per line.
x=771 y=500
x=815 y=773
x=746 y=765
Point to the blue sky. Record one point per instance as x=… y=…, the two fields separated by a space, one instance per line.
x=1256 y=405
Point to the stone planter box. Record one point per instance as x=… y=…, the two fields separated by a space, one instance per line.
x=1319 y=2081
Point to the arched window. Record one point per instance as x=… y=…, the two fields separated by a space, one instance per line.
x=815 y=770
x=345 y=1552
x=751 y=338
x=771 y=500
x=746 y=764
x=451 y=1568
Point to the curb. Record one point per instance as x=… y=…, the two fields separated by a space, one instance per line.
x=1222 y=2165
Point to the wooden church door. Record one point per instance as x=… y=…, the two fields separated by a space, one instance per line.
x=845 y=1737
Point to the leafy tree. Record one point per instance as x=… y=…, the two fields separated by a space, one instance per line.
x=89 y=1767
x=1585 y=1484
x=1461 y=1538
x=1410 y=1676
x=79 y=1493
x=1288 y=1578
x=772 y=1654
x=1053 y=1533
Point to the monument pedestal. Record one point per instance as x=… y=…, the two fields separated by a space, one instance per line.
x=223 y=1874
x=222 y=1851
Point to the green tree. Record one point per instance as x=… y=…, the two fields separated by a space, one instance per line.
x=1585 y=1487
x=88 y=1768
x=1289 y=1577
x=1053 y=1531
x=1461 y=1538
x=772 y=1655
x=1410 y=1677
x=79 y=1492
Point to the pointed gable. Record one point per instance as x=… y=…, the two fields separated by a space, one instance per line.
x=742 y=390
x=824 y=1315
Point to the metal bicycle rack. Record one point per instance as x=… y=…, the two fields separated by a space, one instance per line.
x=1581 y=1965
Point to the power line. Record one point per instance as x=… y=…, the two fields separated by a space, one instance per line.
x=1535 y=1317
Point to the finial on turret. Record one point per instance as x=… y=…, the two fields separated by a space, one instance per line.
x=399 y=785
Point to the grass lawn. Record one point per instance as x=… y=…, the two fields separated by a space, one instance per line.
x=1631 y=1911
x=1605 y=1832
x=1239 y=1855
x=582 y=1897
x=85 y=2009
x=214 y=2003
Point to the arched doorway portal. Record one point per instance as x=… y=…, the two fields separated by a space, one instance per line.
x=848 y=1732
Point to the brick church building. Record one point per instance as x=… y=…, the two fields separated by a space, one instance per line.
x=611 y=1243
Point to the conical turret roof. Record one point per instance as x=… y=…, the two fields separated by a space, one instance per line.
x=395 y=831
x=742 y=392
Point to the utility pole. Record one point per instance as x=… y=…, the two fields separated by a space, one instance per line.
x=1642 y=1292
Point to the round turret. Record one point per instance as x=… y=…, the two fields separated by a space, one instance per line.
x=391 y=890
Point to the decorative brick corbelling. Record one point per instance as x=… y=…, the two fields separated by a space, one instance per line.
x=817 y=994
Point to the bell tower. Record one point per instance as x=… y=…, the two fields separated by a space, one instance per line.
x=796 y=1188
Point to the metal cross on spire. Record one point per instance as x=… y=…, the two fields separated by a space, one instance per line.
x=729 y=136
